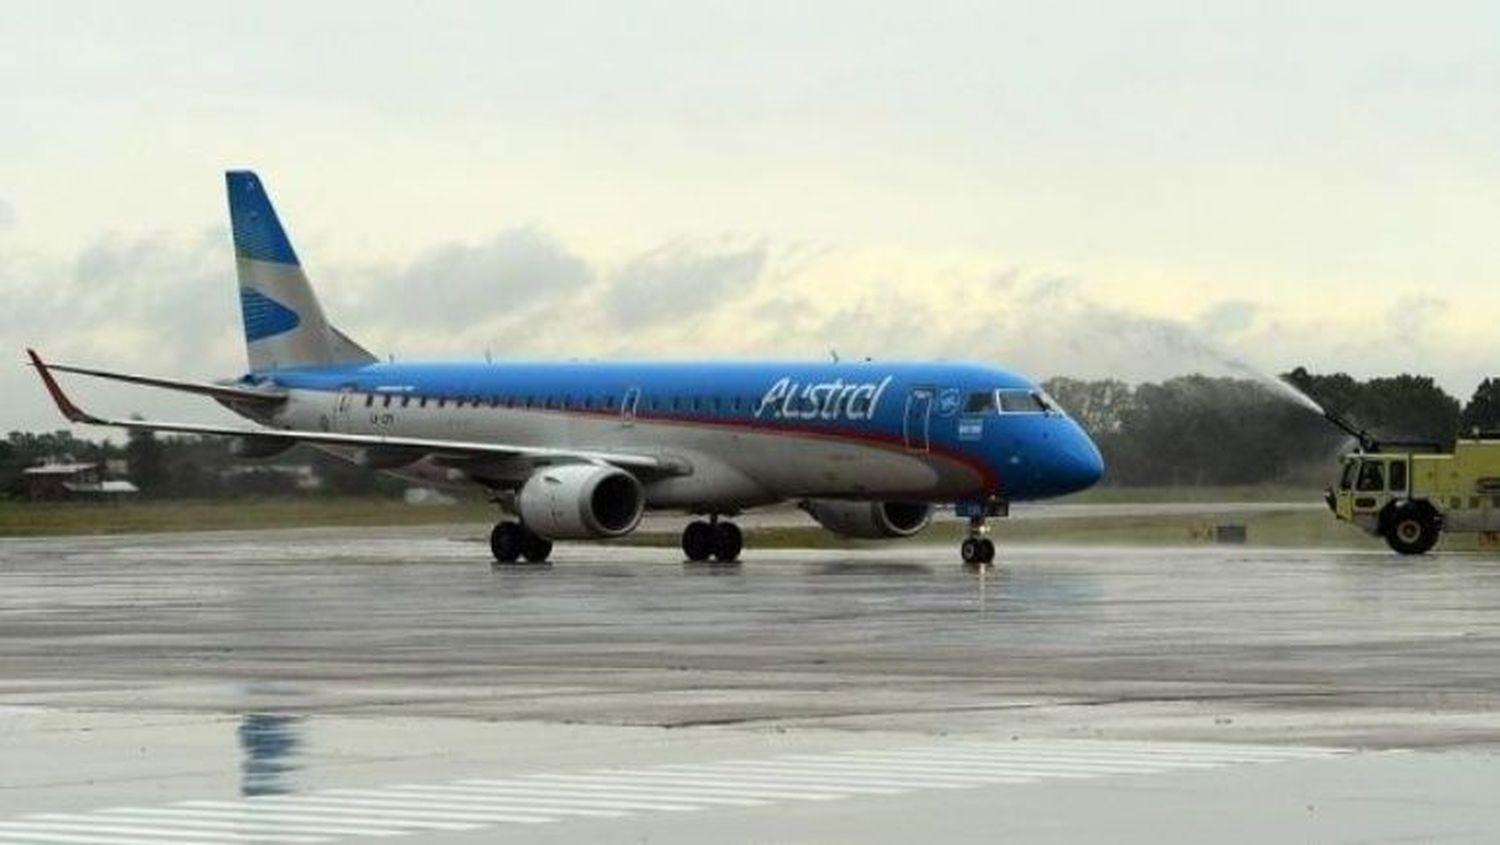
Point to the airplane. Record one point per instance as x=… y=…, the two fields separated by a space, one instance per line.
x=580 y=450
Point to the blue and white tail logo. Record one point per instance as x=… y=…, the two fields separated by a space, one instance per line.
x=284 y=324
x=264 y=316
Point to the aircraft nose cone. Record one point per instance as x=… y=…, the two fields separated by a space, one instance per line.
x=1081 y=465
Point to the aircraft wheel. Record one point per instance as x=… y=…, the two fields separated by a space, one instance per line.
x=698 y=540
x=534 y=547
x=1411 y=529
x=728 y=542
x=505 y=542
x=977 y=551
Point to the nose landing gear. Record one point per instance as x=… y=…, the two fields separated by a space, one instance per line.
x=977 y=549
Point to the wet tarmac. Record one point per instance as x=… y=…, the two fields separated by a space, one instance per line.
x=222 y=687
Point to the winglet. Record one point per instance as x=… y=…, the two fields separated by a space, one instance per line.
x=64 y=404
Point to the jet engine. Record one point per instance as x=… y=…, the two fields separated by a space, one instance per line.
x=870 y=520
x=581 y=502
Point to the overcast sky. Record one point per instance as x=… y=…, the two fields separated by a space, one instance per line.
x=1065 y=188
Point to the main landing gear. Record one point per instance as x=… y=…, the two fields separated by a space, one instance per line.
x=511 y=541
x=711 y=538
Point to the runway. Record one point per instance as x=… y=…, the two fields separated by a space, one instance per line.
x=223 y=687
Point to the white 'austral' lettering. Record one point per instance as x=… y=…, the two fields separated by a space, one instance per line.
x=828 y=400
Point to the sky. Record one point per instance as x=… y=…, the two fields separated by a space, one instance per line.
x=1132 y=190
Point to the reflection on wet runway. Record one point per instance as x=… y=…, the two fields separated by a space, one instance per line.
x=268 y=745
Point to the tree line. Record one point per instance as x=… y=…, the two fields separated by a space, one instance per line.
x=189 y=467
x=1191 y=430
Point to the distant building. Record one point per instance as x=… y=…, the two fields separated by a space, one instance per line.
x=64 y=480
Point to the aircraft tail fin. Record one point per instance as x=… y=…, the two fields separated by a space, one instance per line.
x=284 y=324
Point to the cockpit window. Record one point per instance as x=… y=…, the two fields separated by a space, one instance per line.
x=1371 y=477
x=980 y=403
x=1020 y=402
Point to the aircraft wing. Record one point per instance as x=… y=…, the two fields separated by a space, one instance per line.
x=217 y=391
x=448 y=449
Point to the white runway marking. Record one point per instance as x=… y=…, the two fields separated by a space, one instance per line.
x=537 y=799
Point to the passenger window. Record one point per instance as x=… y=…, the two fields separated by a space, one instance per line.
x=387 y=402
x=422 y=403
x=1371 y=477
x=369 y=400
x=1398 y=475
x=980 y=403
x=406 y=401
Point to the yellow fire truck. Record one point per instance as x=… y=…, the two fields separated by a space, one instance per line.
x=1412 y=494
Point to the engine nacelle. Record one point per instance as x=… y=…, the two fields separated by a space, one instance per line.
x=581 y=502
x=870 y=520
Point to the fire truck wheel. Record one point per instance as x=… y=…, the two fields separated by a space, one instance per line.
x=1411 y=529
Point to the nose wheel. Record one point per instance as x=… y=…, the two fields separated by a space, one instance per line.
x=977 y=549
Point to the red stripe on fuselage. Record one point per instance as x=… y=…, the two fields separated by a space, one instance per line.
x=989 y=478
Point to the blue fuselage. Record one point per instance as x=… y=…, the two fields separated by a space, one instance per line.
x=941 y=414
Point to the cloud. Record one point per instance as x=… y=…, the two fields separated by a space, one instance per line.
x=462 y=282
x=149 y=300
x=683 y=278
x=155 y=303
x=1411 y=313
x=1228 y=317
x=7 y=218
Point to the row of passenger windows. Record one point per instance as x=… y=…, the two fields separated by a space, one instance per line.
x=1017 y=401
x=709 y=404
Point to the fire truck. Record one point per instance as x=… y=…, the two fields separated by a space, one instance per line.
x=1411 y=494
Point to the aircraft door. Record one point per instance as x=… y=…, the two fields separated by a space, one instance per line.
x=343 y=407
x=916 y=427
x=628 y=405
